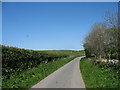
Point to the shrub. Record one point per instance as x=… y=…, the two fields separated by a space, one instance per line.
x=15 y=60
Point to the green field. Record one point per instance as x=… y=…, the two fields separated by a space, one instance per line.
x=23 y=68
x=100 y=75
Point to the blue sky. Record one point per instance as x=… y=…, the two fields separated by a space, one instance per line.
x=50 y=25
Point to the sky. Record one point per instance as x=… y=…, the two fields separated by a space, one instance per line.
x=50 y=25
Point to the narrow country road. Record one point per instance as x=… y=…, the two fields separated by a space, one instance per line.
x=68 y=76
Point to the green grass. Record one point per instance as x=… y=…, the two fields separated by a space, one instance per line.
x=22 y=68
x=98 y=77
x=32 y=76
x=15 y=60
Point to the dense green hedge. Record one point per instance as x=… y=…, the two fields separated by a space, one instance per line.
x=15 y=60
x=30 y=77
x=23 y=68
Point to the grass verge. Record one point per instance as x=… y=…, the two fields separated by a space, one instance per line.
x=32 y=76
x=98 y=77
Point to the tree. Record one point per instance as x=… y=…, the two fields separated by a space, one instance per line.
x=94 y=42
x=113 y=23
x=104 y=39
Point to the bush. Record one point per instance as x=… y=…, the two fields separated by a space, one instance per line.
x=15 y=60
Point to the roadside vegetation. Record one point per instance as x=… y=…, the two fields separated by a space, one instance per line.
x=104 y=39
x=23 y=68
x=101 y=67
x=99 y=75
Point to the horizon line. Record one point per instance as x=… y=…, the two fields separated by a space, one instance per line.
x=40 y=49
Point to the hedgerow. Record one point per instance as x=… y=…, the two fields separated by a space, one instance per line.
x=15 y=60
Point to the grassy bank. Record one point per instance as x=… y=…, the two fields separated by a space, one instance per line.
x=15 y=60
x=32 y=76
x=24 y=68
x=96 y=76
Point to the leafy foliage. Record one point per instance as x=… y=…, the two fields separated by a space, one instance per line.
x=30 y=77
x=103 y=40
x=24 y=68
x=15 y=60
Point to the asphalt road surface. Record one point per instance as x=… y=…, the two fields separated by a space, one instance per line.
x=68 y=76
